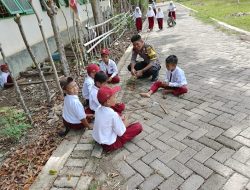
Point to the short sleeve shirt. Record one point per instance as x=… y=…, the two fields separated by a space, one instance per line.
x=87 y=85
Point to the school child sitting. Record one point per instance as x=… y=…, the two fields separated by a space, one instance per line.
x=5 y=78
x=175 y=81
x=74 y=116
x=151 y=17
x=101 y=80
x=160 y=17
x=109 y=67
x=92 y=69
x=171 y=10
x=138 y=19
x=110 y=130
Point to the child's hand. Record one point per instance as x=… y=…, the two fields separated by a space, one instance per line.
x=110 y=79
x=133 y=72
x=125 y=121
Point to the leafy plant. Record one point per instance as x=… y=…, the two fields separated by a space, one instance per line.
x=13 y=123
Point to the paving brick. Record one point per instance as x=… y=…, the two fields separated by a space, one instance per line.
x=125 y=170
x=142 y=168
x=212 y=110
x=208 y=117
x=147 y=128
x=210 y=143
x=170 y=125
x=72 y=171
x=160 y=145
x=204 y=154
x=182 y=134
x=64 y=182
x=246 y=133
x=84 y=182
x=185 y=155
x=152 y=136
x=176 y=144
x=223 y=154
x=242 y=140
x=169 y=155
x=179 y=168
x=150 y=157
x=120 y=156
x=84 y=147
x=193 y=144
x=130 y=146
x=214 y=182
x=80 y=154
x=142 y=135
x=133 y=182
x=161 y=168
x=91 y=166
x=236 y=182
x=167 y=135
x=242 y=155
x=189 y=126
x=199 y=168
x=238 y=166
x=76 y=162
x=152 y=182
x=214 y=133
x=144 y=145
x=135 y=156
x=192 y=183
x=172 y=183
x=218 y=167
x=160 y=127
x=229 y=142
x=234 y=131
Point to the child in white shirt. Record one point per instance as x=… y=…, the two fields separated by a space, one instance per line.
x=171 y=10
x=159 y=17
x=138 y=19
x=175 y=81
x=151 y=17
x=74 y=116
x=92 y=69
x=110 y=130
x=5 y=78
x=109 y=67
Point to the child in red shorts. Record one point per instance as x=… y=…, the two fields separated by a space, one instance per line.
x=110 y=130
x=175 y=81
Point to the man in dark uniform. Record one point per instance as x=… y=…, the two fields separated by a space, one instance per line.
x=150 y=66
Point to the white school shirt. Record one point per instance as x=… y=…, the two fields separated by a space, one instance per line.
x=87 y=85
x=111 y=68
x=171 y=7
x=160 y=14
x=93 y=101
x=73 y=110
x=178 y=78
x=137 y=13
x=151 y=13
x=107 y=126
x=3 y=78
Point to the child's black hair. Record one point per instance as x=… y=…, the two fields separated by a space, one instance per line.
x=100 y=77
x=135 y=38
x=172 y=59
x=64 y=82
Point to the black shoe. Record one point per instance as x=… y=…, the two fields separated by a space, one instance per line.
x=63 y=133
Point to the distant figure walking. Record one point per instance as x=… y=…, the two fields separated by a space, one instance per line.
x=160 y=16
x=151 y=17
x=138 y=19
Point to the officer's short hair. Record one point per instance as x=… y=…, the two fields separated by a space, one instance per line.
x=135 y=38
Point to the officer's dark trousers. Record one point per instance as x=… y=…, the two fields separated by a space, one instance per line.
x=153 y=71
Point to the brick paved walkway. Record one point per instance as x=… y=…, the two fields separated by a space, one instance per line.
x=203 y=142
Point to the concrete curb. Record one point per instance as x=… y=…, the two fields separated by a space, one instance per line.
x=223 y=24
x=44 y=180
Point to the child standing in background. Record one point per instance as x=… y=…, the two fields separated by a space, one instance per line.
x=109 y=67
x=138 y=19
x=151 y=17
x=160 y=16
x=5 y=78
x=171 y=10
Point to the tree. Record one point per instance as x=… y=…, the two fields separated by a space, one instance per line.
x=47 y=49
x=96 y=9
x=52 y=11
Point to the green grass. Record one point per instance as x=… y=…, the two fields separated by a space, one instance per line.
x=222 y=10
x=13 y=123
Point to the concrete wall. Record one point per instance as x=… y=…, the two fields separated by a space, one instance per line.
x=12 y=41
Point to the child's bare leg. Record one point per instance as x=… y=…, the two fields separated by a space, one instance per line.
x=147 y=94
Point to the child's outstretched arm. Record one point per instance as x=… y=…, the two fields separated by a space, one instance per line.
x=85 y=123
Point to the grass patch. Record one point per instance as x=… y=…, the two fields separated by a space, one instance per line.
x=228 y=11
x=13 y=123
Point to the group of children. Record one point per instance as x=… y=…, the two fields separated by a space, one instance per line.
x=152 y=14
x=111 y=129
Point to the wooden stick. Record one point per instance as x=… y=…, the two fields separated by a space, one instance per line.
x=164 y=109
x=35 y=82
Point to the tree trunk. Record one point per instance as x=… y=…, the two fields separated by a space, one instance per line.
x=18 y=92
x=81 y=42
x=46 y=88
x=47 y=49
x=52 y=11
x=97 y=12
